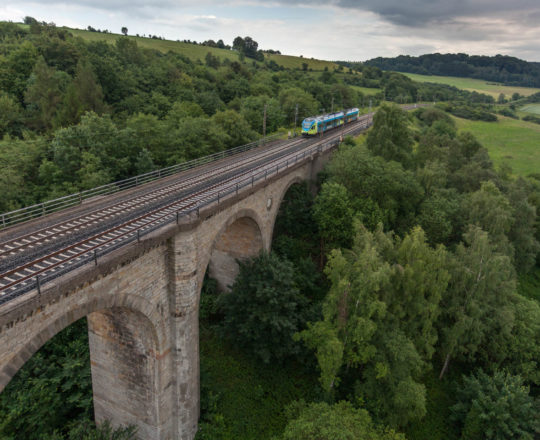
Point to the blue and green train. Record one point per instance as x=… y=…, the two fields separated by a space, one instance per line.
x=322 y=123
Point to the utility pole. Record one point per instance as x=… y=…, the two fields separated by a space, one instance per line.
x=295 y=119
x=332 y=108
x=370 y=105
x=264 y=123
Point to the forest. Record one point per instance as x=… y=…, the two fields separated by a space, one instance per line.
x=499 y=68
x=399 y=302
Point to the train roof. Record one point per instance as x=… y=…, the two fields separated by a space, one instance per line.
x=325 y=117
x=330 y=116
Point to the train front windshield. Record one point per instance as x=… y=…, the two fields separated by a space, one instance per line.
x=307 y=124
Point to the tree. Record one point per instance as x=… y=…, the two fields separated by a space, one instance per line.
x=476 y=307
x=289 y=98
x=194 y=137
x=496 y=407
x=264 y=308
x=378 y=320
x=390 y=136
x=246 y=46
x=439 y=216
x=340 y=421
x=522 y=233
x=212 y=60
x=490 y=210
x=44 y=95
x=333 y=214
x=82 y=95
x=92 y=153
x=16 y=67
x=380 y=191
x=252 y=109
x=238 y=44
x=29 y=20
x=295 y=231
x=34 y=403
x=124 y=30
x=19 y=182
x=235 y=126
x=11 y=115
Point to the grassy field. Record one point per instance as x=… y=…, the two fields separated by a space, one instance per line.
x=508 y=140
x=367 y=90
x=290 y=62
x=531 y=108
x=193 y=51
x=196 y=52
x=474 y=85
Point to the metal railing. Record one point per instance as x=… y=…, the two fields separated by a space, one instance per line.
x=94 y=254
x=50 y=206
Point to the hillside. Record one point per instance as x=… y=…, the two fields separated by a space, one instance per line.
x=503 y=69
x=474 y=85
x=197 y=52
x=509 y=141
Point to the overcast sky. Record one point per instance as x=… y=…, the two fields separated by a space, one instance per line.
x=333 y=29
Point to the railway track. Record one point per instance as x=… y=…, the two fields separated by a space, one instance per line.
x=19 y=244
x=29 y=260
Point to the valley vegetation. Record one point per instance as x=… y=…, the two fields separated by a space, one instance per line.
x=400 y=302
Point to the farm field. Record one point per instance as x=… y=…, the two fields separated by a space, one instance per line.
x=474 y=85
x=508 y=140
x=367 y=90
x=195 y=52
x=531 y=108
x=192 y=51
x=292 y=62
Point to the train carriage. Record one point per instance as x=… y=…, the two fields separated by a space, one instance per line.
x=322 y=123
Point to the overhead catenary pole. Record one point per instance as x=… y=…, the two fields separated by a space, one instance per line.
x=295 y=119
x=264 y=122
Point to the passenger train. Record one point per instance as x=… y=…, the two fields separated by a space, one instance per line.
x=322 y=123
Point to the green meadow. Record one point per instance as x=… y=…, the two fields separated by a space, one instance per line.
x=193 y=51
x=367 y=90
x=474 y=85
x=531 y=108
x=292 y=62
x=196 y=52
x=509 y=141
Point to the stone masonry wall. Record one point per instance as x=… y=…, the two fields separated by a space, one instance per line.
x=142 y=307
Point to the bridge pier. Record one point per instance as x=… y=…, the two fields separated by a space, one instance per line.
x=128 y=372
x=141 y=302
x=184 y=289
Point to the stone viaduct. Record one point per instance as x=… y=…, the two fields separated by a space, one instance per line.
x=141 y=302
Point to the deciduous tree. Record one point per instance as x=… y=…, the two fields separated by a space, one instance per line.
x=264 y=308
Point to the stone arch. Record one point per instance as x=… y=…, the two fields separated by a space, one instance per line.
x=51 y=328
x=131 y=325
x=295 y=180
x=240 y=237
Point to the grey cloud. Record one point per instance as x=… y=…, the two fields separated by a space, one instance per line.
x=423 y=12
x=401 y=12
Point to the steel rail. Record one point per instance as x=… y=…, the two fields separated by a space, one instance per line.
x=64 y=250
x=40 y=209
x=202 y=201
x=10 y=247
